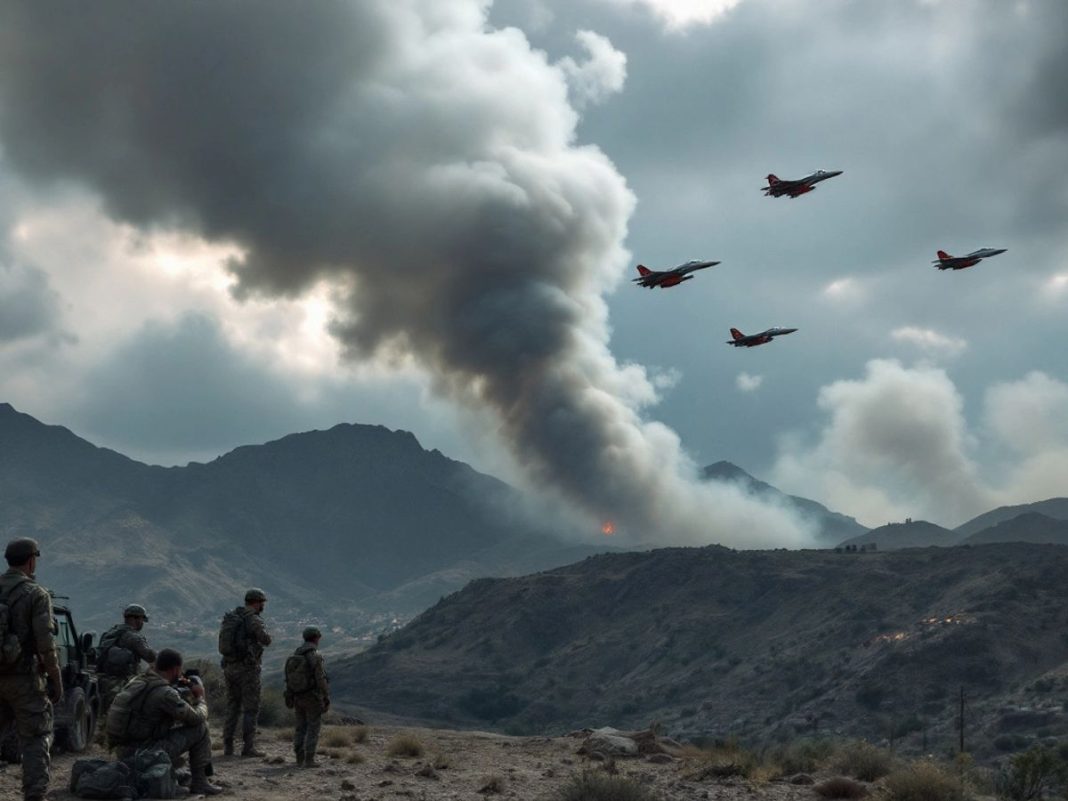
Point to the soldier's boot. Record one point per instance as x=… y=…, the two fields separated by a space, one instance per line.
x=299 y=758
x=228 y=747
x=248 y=732
x=202 y=786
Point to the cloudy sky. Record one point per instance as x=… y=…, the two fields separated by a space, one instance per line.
x=221 y=226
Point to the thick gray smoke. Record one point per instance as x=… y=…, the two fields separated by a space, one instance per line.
x=413 y=156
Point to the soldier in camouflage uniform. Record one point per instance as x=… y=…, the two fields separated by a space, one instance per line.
x=150 y=712
x=114 y=667
x=308 y=705
x=242 y=674
x=31 y=683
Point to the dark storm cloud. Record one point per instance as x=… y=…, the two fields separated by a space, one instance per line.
x=405 y=150
x=28 y=305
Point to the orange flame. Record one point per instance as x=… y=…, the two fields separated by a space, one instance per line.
x=608 y=528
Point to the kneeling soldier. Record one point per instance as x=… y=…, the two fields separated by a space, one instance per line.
x=149 y=712
x=308 y=694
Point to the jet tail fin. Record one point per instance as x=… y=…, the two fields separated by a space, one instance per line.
x=736 y=334
x=943 y=255
x=643 y=270
x=772 y=179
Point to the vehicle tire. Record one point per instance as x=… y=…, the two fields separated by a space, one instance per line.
x=77 y=737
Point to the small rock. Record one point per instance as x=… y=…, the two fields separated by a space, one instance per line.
x=801 y=778
x=428 y=772
x=347 y=785
x=659 y=759
x=595 y=756
x=277 y=760
x=385 y=783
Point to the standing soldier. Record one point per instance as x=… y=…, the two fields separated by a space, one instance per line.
x=308 y=695
x=242 y=638
x=119 y=655
x=27 y=656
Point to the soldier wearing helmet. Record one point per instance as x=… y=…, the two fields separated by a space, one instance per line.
x=30 y=681
x=308 y=695
x=119 y=654
x=242 y=638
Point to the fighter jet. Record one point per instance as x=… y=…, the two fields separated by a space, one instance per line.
x=665 y=278
x=740 y=340
x=777 y=187
x=947 y=262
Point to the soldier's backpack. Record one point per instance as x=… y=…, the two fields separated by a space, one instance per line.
x=111 y=658
x=10 y=647
x=110 y=780
x=233 y=635
x=125 y=712
x=300 y=676
x=153 y=772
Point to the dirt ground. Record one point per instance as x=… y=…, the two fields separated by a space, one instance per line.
x=454 y=765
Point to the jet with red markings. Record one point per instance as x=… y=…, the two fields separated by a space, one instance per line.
x=777 y=187
x=673 y=277
x=740 y=340
x=947 y=262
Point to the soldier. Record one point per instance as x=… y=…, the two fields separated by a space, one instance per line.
x=150 y=712
x=308 y=695
x=242 y=638
x=119 y=655
x=27 y=656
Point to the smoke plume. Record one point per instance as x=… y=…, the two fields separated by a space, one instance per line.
x=417 y=159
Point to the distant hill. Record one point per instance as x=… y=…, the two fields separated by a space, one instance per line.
x=759 y=645
x=1056 y=508
x=910 y=534
x=358 y=523
x=1028 y=527
x=832 y=527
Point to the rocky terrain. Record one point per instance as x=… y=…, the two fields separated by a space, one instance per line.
x=454 y=766
x=756 y=645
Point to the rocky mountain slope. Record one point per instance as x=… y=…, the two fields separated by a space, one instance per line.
x=1056 y=508
x=757 y=645
x=355 y=523
x=1027 y=527
x=832 y=527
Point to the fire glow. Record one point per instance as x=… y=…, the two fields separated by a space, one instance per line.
x=608 y=528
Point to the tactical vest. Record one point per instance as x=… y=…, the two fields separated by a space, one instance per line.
x=233 y=636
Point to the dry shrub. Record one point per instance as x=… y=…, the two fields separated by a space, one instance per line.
x=803 y=756
x=404 y=745
x=598 y=786
x=723 y=761
x=921 y=781
x=283 y=736
x=360 y=734
x=335 y=739
x=841 y=787
x=354 y=758
x=440 y=762
x=863 y=761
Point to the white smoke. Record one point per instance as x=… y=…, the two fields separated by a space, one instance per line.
x=898 y=445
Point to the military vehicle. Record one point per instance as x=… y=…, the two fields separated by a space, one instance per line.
x=76 y=715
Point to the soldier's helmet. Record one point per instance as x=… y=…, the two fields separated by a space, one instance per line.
x=254 y=594
x=21 y=549
x=135 y=610
x=312 y=633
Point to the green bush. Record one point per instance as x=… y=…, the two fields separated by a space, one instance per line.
x=1031 y=775
x=922 y=781
x=273 y=710
x=599 y=786
x=863 y=761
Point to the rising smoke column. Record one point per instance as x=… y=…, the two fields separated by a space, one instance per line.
x=419 y=160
